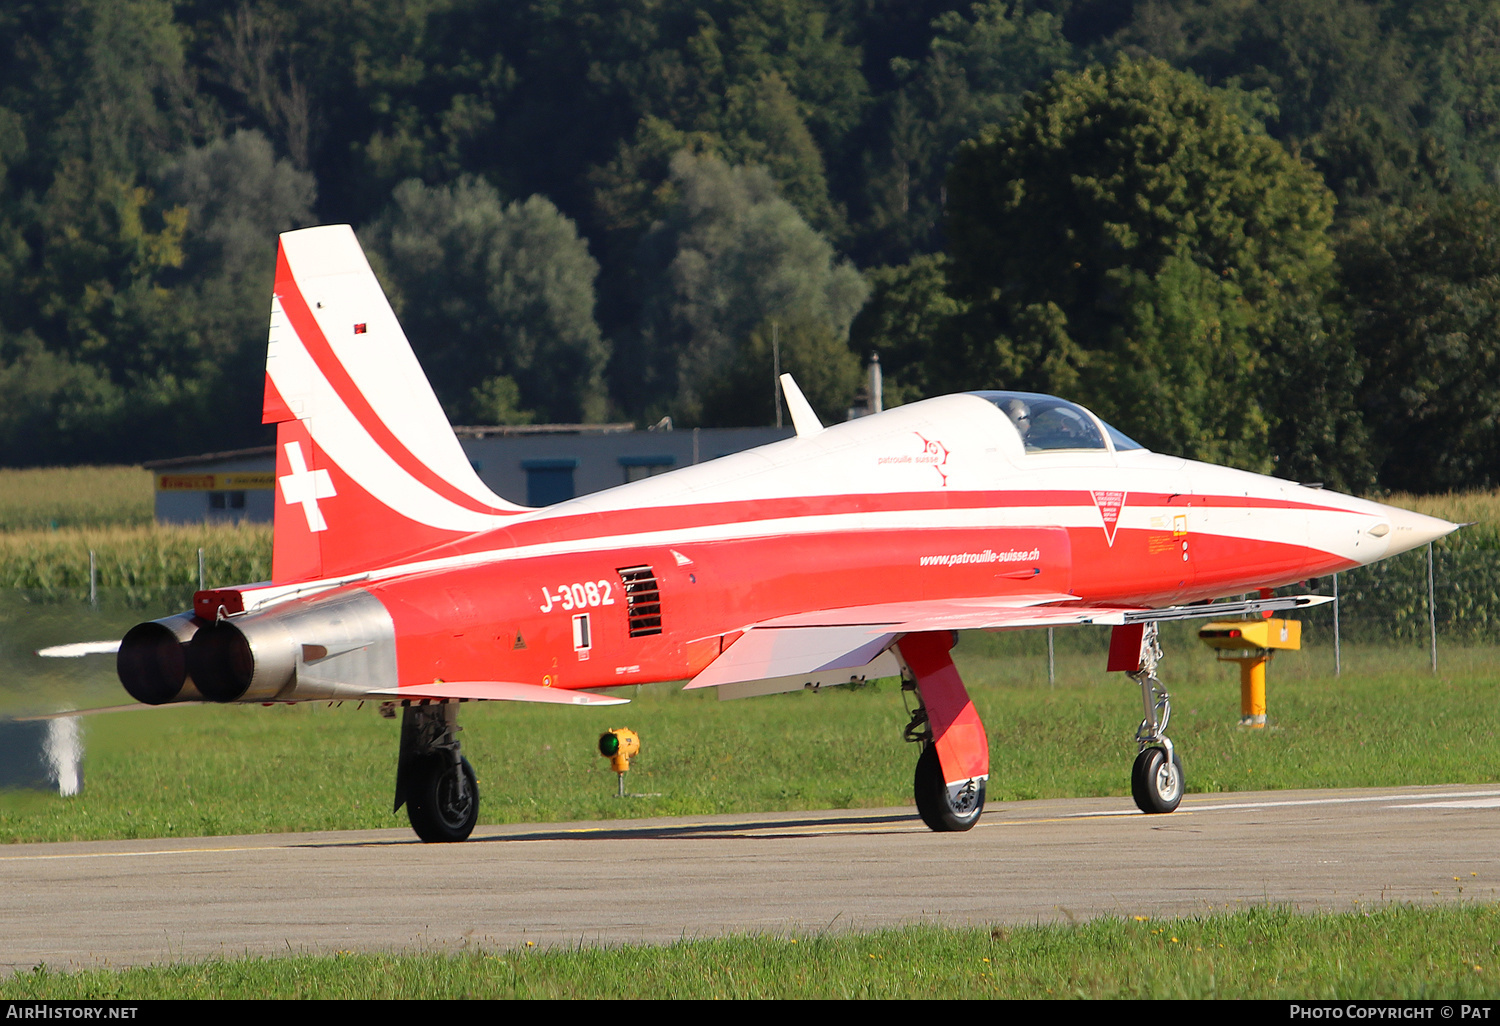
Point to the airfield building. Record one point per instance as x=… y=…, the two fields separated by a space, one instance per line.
x=534 y=464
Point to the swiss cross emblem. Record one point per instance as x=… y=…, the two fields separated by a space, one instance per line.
x=305 y=487
x=1110 y=504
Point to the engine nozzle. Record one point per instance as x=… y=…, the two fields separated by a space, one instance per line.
x=152 y=663
x=230 y=664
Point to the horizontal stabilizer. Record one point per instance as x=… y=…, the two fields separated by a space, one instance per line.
x=499 y=691
x=80 y=648
x=66 y=713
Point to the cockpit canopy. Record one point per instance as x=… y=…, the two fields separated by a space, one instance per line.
x=1047 y=423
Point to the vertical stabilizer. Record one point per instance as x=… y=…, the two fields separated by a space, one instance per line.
x=367 y=467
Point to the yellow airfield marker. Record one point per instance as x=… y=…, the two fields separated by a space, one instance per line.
x=1252 y=643
x=619 y=746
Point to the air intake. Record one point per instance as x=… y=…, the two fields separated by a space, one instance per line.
x=642 y=600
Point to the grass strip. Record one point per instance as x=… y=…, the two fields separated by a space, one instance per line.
x=1447 y=951
x=217 y=770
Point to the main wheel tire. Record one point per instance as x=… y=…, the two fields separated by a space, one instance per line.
x=938 y=810
x=441 y=805
x=1155 y=783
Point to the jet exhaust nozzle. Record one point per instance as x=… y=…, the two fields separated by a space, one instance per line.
x=335 y=648
x=152 y=661
x=249 y=661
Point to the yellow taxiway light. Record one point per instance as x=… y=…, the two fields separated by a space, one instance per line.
x=1251 y=643
x=619 y=746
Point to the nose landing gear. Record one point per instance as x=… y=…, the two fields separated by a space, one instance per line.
x=1156 y=781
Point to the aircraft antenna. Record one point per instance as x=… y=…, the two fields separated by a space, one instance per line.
x=803 y=418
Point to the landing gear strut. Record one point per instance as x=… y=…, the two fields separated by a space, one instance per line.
x=955 y=762
x=433 y=779
x=1156 y=781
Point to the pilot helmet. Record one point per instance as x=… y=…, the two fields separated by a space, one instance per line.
x=1019 y=414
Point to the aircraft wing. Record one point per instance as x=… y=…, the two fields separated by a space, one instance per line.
x=499 y=691
x=834 y=646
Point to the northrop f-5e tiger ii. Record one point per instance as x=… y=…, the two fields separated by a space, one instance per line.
x=849 y=551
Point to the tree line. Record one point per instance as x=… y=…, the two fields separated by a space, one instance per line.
x=1262 y=234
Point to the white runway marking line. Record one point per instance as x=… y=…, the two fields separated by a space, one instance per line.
x=1417 y=802
x=1479 y=803
x=137 y=854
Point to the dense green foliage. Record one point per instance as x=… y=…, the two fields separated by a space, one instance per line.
x=562 y=193
x=734 y=271
x=1128 y=240
x=1424 y=295
x=498 y=295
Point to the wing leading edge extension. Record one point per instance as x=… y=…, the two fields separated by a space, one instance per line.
x=838 y=645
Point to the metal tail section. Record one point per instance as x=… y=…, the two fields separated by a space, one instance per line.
x=367 y=467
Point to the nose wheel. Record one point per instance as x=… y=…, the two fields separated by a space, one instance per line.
x=1156 y=780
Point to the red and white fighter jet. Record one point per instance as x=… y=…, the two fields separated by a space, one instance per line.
x=848 y=551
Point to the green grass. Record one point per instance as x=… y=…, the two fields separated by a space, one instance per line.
x=1441 y=952
x=207 y=770
x=52 y=498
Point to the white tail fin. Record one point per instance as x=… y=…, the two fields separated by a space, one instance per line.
x=367 y=467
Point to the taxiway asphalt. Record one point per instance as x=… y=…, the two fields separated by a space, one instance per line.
x=124 y=903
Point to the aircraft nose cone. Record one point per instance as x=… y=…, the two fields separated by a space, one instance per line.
x=1409 y=530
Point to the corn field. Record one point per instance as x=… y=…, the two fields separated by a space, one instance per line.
x=142 y=565
x=50 y=520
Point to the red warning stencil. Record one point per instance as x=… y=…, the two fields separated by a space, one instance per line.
x=1110 y=504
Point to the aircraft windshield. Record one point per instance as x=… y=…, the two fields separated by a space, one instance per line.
x=1121 y=439
x=1047 y=423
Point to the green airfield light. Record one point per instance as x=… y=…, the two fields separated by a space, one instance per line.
x=619 y=746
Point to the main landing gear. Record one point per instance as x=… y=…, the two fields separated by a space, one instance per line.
x=433 y=779
x=955 y=762
x=1156 y=781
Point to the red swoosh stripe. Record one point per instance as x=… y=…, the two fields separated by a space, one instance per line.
x=301 y=318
